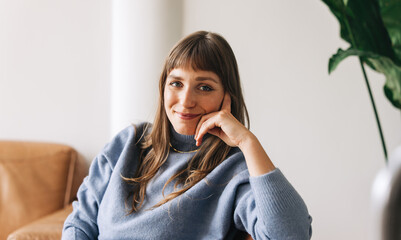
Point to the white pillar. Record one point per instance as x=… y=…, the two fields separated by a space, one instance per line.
x=143 y=31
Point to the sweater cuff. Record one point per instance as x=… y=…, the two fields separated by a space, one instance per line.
x=275 y=194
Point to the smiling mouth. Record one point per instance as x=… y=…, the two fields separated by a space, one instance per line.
x=186 y=116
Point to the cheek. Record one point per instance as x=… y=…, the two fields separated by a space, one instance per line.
x=167 y=98
x=212 y=104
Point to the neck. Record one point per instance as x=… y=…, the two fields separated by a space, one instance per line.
x=182 y=143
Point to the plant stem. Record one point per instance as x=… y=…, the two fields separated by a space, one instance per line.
x=353 y=44
x=374 y=109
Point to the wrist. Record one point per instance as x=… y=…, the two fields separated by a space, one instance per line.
x=247 y=140
x=257 y=160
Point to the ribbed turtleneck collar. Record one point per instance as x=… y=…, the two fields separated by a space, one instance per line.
x=182 y=142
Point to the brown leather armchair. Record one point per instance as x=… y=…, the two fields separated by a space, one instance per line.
x=38 y=181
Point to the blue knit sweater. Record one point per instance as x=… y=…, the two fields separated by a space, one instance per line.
x=267 y=206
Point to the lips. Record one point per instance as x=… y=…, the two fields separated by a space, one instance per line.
x=187 y=116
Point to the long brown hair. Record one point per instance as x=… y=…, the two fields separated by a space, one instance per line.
x=205 y=51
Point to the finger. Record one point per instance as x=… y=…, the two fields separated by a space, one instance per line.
x=198 y=126
x=206 y=126
x=201 y=121
x=216 y=132
x=226 y=102
x=199 y=135
x=202 y=132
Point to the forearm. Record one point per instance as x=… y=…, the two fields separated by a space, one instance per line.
x=279 y=207
x=256 y=158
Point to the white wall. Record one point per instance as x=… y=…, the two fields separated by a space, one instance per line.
x=319 y=129
x=55 y=72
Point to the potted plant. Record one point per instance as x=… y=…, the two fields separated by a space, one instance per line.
x=373 y=30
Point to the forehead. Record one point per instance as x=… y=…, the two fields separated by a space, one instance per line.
x=197 y=56
x=190 y=73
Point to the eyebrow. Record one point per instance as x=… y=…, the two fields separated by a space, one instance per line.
x=196 y=79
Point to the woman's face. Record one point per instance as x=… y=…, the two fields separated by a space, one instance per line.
x=190 y=94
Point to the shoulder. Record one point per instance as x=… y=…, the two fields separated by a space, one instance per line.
x=125 y=141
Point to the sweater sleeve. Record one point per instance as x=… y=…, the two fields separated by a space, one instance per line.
x=272 y=209
x=82 y=222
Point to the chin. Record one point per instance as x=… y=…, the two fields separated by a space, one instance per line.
x=185 y=131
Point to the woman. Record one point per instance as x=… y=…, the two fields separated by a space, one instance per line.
x=197 y=172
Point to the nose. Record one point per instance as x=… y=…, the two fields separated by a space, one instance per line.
x=187 y=98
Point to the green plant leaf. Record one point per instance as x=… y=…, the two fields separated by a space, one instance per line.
x=391 y=14
x=362 y=26
x=341 y=55
x=392 y=87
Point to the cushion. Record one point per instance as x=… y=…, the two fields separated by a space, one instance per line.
x=49 y=227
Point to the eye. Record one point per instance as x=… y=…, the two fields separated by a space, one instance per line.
x=175 y=84
x=205 y=88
